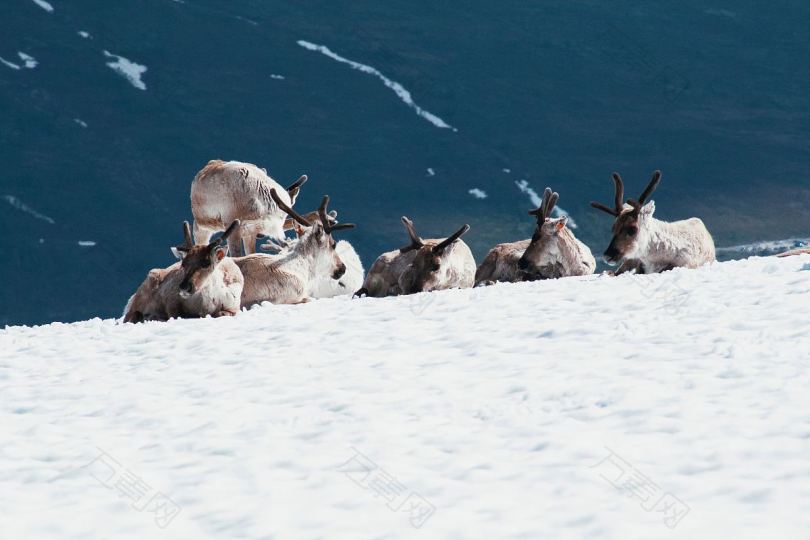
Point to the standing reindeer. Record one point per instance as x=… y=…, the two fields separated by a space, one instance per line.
x=225 y=191
x=647 y=245
x=204 y=282
x=422 y=265
x=289 y=276
x=552 y=252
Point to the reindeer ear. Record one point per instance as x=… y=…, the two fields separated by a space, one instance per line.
x=221 y=252
x=648 y=208
x=178 y=252
x=561 y=223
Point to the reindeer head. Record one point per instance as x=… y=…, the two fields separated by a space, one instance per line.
x=543 y=250
x=428 y=269
x=316 y=240
x=630 y=219
x=199 y=261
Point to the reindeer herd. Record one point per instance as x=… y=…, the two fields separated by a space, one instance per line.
x=240 y=199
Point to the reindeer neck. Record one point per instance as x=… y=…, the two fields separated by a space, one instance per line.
x=659 y=238
x=303 y=256
x=568 y=245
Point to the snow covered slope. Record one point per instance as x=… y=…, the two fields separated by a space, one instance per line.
x=667 y=406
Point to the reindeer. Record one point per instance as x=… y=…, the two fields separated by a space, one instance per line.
x=325 y=286
x=795 y=251
x=204 y=282
x=225 y=191
x=289 y=276
x=422 y=265
x=552 y=252
x=647 y=245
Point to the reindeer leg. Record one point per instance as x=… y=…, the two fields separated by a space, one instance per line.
x=628 y=266
x=224 y=313
x=235 y=245
x=362 y=291
x=249 y=242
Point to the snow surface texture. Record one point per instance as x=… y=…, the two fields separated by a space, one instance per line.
x=503 y=412
x=398 y=89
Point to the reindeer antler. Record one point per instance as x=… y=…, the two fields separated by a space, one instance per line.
x=416 y=241
x=295 y=187
x=295 y=215
x=231 y=228
x=548 y=203
x=298 y=183
x=654 y=181
x=328 y=224
x=617 y=199
x=438 y=248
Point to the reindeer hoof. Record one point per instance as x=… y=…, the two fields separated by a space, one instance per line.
x=360 y=293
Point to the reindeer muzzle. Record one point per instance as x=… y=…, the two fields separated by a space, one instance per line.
x=186 y=289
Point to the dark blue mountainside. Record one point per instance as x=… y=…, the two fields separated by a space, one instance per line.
x=559 y=93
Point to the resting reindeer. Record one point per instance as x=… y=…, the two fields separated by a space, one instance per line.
x=795 y=251
x=325 y=286
x=204 y=282
x=225 y=191
x=647 y=245
x=422 y=265
x=552 y=252
x=287 y=278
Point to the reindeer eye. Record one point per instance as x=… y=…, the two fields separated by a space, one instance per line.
x=632 y=231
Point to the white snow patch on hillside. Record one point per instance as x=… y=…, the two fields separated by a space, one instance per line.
x=85 y=35
x=87 y=243
x=523 y=185
x=12 y=65
x=493 y=410
x=128 y=69
x=81 y=122
x=768 y=247
x=277 y=77
x=398 y=89
x=430 y=171
x=478 y=193
x=44 y=5
x=29 y=61
x=22 y=207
